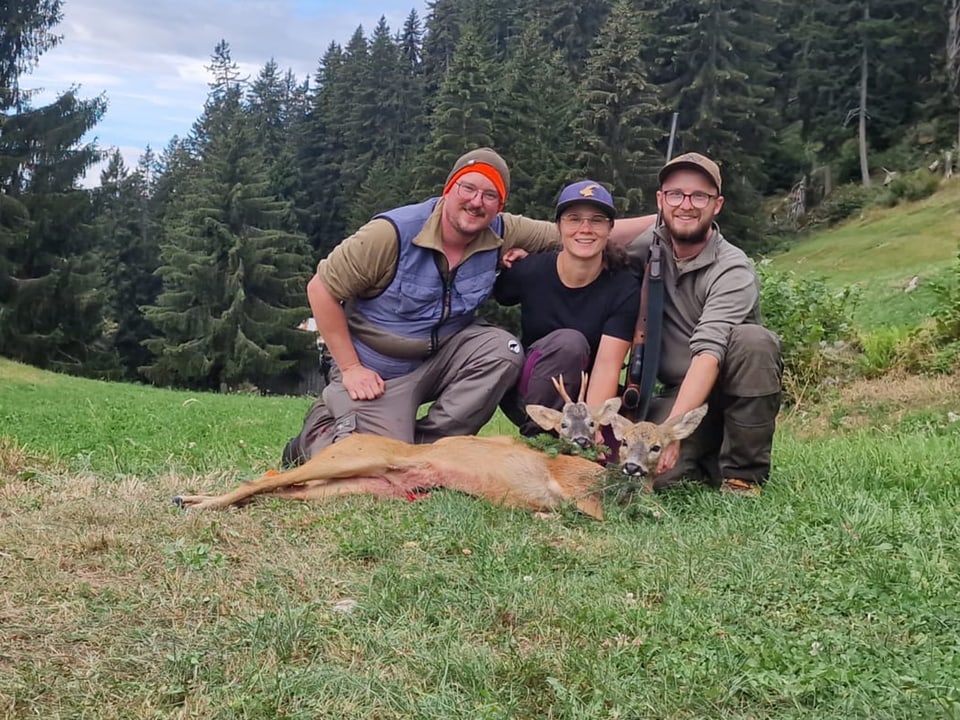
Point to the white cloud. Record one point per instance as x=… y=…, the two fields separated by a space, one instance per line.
x=149 y=56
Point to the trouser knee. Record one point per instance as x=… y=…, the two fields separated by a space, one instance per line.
x=753 y=366
x=564 y=353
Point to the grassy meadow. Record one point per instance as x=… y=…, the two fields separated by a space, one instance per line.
x=880 y=251
x=836 y=594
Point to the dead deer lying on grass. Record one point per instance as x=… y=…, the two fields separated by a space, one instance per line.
x=577 y=421
x=503 y=470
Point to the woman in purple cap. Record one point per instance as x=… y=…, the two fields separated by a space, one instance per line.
x=578 y=307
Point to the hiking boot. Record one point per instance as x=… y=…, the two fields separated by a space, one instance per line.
x=292 y=453
x=736 y=486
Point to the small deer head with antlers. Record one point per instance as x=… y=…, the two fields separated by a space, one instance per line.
x=577 y=421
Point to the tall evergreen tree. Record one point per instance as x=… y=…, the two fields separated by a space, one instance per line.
x=615 y=133
x=463 y=112
x=276 y=104
x=412 y=85
x=323 y=154
x=533 y=113
x=440 y=43
x=50 y=309
x=570 y=28
x=714 y=67
x=128 y=246
x=233 y=275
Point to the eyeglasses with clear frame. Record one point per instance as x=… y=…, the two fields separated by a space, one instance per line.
x=674 y=198
x=466 y=191
x=596 y=222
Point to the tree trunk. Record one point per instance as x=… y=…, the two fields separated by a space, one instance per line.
x=953 y=55
x=864 y=166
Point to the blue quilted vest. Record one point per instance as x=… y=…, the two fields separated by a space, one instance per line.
x=418 y=303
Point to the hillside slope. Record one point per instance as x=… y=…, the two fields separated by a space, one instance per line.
x=880 y=251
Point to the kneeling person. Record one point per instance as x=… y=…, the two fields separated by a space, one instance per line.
x=578 y=307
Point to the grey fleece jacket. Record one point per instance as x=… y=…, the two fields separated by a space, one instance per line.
x=704 y=297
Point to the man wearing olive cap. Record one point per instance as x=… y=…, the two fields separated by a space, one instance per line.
x=395 y=304
x=714 y=348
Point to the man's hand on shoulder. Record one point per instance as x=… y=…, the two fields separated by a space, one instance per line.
x=511 y=256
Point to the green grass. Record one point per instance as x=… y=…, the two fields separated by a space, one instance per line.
x=834 y=595
x=881 y=251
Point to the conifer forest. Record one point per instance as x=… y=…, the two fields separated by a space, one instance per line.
x=189 y=269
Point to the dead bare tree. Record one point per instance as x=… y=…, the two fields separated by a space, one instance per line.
x=953 y=53
x=860 y=112
x=864 y=74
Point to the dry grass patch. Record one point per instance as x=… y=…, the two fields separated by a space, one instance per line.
x=884 y=402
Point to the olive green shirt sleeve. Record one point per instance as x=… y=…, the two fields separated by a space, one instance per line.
x=364 y=264
x=531 y=235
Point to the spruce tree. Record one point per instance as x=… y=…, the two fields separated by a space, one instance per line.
x=233 y=274
x=614 y=128
x=322 y=156
x=463 y=112
x=51 y=310
x=128 y=246
x=714 y=68
x=533 y=113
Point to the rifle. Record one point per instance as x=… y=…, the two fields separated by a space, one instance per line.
x=645 y=356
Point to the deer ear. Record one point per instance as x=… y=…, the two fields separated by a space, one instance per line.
x=547 y=418
x=621 y=426
x=684 y=425
x=604 y=415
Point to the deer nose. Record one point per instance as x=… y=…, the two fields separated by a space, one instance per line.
x=583 y=442
x=633 y=469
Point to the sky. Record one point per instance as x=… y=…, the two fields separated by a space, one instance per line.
x=148 y=56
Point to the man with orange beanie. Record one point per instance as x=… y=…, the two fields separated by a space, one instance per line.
x=396 y=304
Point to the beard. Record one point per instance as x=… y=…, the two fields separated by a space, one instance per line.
x=689 y=235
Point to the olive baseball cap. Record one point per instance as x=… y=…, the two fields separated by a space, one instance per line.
x=586 y=191
x=692 y=161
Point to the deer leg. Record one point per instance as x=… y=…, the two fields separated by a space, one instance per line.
x=310 y=491
x=353 y=457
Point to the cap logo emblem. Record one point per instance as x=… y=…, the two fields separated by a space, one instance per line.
x=588 y=190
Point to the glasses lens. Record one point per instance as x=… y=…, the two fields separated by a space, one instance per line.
x=675 y=198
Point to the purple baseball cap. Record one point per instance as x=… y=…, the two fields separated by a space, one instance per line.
x=587 y=191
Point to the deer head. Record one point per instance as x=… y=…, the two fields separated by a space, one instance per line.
x=642 y=442
x=577 y=421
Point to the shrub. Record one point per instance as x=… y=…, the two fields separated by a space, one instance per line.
x=935 y=346
x=883 y=350
x=815 y=327
x=844 y=201
x=909 y=187
x=946 y=315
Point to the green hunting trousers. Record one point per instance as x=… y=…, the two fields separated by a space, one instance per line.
x=735 y=438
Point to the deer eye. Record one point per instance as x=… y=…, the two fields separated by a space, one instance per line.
x=564 y=425
x=654 y=448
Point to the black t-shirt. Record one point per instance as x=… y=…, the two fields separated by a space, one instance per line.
x=607 y=306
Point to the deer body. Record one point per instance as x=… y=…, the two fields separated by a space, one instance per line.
x=502 y=470
x=499 y=469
